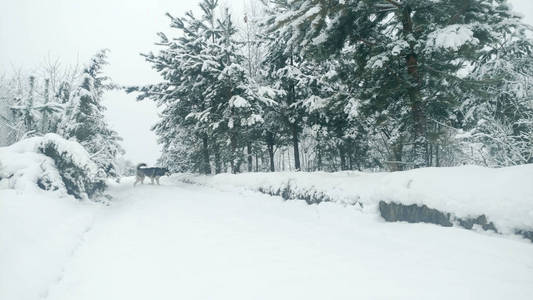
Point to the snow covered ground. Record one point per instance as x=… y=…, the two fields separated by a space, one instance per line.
x=504 y=195
x=38 y=233
x=181 y=241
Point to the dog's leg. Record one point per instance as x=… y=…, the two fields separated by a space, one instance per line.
x=157 y=180
x=152 y=180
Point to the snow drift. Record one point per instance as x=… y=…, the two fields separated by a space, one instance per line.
x=498 y=199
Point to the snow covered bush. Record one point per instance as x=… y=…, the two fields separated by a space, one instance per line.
x=50 y=163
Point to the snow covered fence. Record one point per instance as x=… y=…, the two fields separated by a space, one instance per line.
x=49 y=163
x=466 y=196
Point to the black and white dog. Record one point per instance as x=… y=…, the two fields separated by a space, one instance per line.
x=152 y=173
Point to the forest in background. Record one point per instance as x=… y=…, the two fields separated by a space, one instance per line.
x=344 y=85
x=310 y=85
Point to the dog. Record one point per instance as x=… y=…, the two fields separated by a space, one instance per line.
x=152 y=173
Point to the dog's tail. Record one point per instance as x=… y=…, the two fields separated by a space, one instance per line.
x=141 y=165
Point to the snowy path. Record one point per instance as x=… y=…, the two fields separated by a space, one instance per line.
x=190 y=242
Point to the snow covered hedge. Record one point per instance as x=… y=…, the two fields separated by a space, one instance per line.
x=49 y=163
x=499 y=199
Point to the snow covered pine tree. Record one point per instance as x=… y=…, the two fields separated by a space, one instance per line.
x=209 y=100
x=408 y=56
x=84 y=120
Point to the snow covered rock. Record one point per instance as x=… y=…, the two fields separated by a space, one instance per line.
x=49 y=163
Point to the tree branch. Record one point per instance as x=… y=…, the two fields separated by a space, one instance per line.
x=395 y=3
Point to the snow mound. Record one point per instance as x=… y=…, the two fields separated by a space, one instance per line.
x=504 y=196
x=49 y=163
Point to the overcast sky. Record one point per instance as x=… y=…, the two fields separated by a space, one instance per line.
x=73 y=30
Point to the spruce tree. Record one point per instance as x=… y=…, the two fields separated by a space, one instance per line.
x=409 y=55
x=185 y=71
x=205 y=89
x=85 y=122
x=284 y=74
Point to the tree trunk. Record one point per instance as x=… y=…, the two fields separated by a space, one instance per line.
x=282 y=160
x=356 y=158
x=289 y=161
x=238 y=164
x=270 y=146
x=416 y=103
x=342 y=155
x=218 y=167
x=249 y=151
x=295 y=141
x=305 y=161
x=206 y=167
x=28 y=118
x=319 y=160
x=437 y=160
x=430 y=154
x=44 y=121
x=291 y=97
x=233 y=145
x=397 y=150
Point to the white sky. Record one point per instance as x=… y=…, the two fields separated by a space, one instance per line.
x=73 y=30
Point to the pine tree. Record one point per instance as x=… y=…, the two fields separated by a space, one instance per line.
x=409 y=55
x=186 y=115
x=238 y=103
x=205 y=89
x=85 y=122
x=284 y=74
